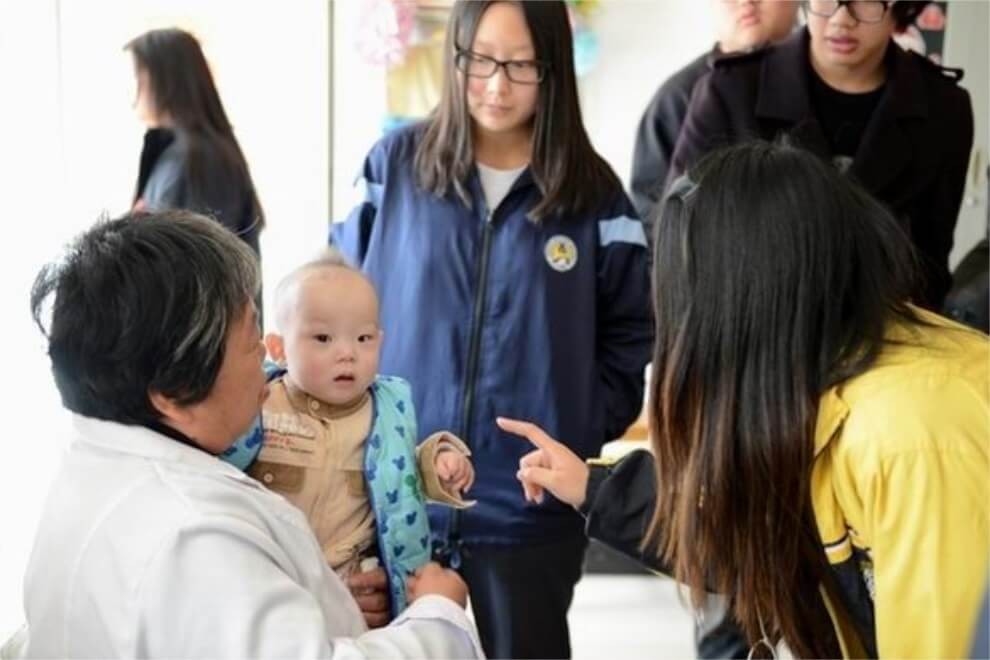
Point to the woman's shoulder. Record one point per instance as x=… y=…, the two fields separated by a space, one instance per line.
x=613 y=201
x=933 y=91
x=745 y=68
x=929 y=389
x=946 y=79
x=399 y=143
x=931 y=341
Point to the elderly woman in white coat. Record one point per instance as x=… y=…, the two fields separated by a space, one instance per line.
x=149 y=545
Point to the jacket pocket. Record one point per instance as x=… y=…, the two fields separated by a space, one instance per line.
x=355 y=483
x=278 y=476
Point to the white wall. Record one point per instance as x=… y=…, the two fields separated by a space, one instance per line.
x=642 y=42
x=967 y=46
x=70 y=152
x=358 y=105
x=31 y=186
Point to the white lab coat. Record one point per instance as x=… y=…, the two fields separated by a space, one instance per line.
x=150 y=548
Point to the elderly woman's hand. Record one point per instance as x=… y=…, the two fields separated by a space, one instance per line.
x=551 y=466
x=370 y=590
x=431 y=578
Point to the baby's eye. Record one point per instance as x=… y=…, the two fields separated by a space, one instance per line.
x=323 y=339
x=365 y=338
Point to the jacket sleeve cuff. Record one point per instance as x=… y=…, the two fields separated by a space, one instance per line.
x=426 y=454
x=440 y=608
x=597 y=473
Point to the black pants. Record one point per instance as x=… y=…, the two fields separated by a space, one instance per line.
x=520 y=596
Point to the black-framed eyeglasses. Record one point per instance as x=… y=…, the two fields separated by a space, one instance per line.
x=863 y=11
x=524 y=72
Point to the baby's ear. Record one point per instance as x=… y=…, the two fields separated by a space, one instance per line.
x=275 y=346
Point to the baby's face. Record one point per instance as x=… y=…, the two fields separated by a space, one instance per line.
x=332 y=338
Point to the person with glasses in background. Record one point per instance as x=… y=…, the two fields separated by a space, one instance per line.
x=741 y=26
x=513 y=280
x=894 y=121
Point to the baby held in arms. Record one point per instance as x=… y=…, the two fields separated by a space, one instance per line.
x=338 y=440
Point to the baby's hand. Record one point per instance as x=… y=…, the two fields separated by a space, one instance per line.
x=431 y=578
x=455 y=471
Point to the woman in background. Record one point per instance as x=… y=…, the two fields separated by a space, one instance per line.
x=191 y=159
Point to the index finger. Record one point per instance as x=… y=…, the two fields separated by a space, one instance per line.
x=528 y=430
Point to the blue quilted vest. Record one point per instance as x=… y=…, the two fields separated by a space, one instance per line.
x=391 y=475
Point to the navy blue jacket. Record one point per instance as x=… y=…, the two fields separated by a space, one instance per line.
x=481 y=324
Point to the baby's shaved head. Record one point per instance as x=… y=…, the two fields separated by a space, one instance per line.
x=331 y=263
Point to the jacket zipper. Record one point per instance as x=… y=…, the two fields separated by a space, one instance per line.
x=471 y=374
x=474 y=347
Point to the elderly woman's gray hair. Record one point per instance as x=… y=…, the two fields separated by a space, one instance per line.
x=143 y=303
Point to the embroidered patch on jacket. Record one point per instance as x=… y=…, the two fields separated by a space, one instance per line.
x=290 y=441
x=561 y=253
x=287 y=424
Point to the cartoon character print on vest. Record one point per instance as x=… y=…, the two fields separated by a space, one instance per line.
x=395 y=486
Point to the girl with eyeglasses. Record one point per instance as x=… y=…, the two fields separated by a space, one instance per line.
x=513 y=281
x=894 y=121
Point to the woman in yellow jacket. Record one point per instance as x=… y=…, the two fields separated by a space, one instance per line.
x=820 y=448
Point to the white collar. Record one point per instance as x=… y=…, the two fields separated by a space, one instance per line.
x=143 y=442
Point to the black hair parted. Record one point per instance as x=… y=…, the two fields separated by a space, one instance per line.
x=142 y=304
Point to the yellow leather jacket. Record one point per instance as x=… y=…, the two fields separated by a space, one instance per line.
x=901 y=491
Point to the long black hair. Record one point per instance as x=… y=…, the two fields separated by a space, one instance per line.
x=182 y=86
x=774 y=279
x=570 y=174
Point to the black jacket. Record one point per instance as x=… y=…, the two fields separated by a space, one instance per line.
x=618 y=506
x=658 y=130
x=913 y=155
x=967 y=301
x=163 y=183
